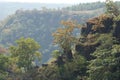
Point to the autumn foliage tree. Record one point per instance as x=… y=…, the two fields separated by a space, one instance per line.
x=64 y=36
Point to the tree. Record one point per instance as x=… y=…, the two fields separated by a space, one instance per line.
x=106 y=65
x=25 y=53
x=112 y=8
x=3 y=66
x=75 y=70
x=64 y=36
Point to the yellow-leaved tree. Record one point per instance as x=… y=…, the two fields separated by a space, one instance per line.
x=64 y=37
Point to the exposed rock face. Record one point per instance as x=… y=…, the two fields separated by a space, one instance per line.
x=59 y=61
x=108 y=24
x=68 y=56
x=86 y=50
x=89 y=36
x=117 y=30
x=101 y=25
x=86 y=30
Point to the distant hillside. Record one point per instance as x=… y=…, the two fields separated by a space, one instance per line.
x=88 y=6
x=8 y=8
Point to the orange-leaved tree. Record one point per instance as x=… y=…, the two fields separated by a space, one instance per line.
x=64 y=37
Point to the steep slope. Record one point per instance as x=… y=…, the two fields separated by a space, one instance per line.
x=92 y=55
x=38 y=24
x=96 y=55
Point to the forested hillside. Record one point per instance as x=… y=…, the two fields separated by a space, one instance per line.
x=39 y=25
x=86 y=51
x=88 y=6
x=8 y=8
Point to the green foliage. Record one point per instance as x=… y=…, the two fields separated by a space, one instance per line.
x=112 y=8
x=106 y=41
x=21 y=63
x=69 y=71
x=86 y=6
x=105 y=66
x=26 y=52
x=117 y=18
x=4 y=63
x=56 y=53
x=50 y=72
x=76 y=68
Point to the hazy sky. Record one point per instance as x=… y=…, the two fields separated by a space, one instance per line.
x=55 y=1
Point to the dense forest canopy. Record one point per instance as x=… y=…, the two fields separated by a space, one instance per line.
x=94 y=54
